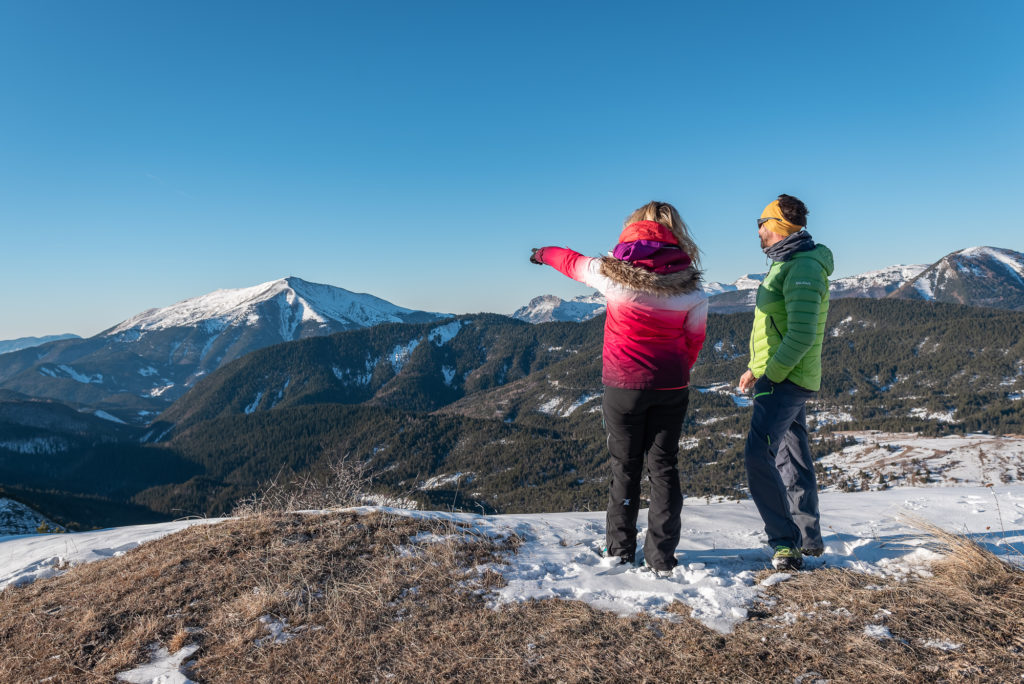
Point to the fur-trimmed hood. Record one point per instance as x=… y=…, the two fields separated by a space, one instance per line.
x=636 y=278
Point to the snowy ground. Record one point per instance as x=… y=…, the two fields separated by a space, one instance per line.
x=26 y=558
x=720 y=552
x=722 y=548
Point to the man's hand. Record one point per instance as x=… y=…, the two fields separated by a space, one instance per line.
x=533 y=256
x=747 y=381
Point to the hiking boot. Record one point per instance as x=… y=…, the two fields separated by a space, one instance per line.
x=660 y=574
x=623 y=560
x=787 y=558
x=816 y=551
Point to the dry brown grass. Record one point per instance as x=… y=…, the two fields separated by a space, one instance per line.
x=365 y=601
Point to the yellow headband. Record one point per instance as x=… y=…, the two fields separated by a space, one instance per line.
x=780 y=226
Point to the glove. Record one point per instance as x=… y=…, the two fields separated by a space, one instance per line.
x=534 y=259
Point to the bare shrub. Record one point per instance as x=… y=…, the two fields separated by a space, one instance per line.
x=345 y=483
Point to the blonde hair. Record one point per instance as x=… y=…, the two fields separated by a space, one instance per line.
x=667 y=215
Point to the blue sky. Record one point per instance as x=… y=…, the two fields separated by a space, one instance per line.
x=154 y=151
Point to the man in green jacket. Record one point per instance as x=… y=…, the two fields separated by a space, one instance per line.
x=784 y=372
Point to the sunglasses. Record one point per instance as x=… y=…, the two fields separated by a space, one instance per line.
x=762 y=221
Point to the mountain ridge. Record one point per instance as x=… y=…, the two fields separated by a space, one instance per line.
x=136 y=368
x=20 y=343
x=979 y=276
x=899 y=281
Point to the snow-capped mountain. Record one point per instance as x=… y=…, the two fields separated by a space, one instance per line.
x=978 y=276
x=26 y=342
x=547 y=308
x=136 y=368
x=750 y=281
x=740 y=295
x=875 y=284
x=295 y=307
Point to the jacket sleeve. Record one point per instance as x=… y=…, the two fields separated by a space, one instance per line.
x=804 y=291
x=695 y=330
x=569 y=263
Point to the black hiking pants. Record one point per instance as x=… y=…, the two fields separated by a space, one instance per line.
x=644 y=423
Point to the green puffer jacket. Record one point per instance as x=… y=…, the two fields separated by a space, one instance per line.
x=789 y=321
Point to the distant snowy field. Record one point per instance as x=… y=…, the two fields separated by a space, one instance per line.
x=901 y=457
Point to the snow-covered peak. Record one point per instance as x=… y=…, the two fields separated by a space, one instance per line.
x=887 y=274
x=977 y=276
x=223 y=308
x=547 y=308
x=876 y=283
x=1013 y=261
x=750 y=281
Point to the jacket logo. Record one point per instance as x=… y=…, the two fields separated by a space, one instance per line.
x=803 y=282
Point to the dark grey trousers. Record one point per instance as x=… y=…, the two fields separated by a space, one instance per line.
x=644 y=423
x=780 y=468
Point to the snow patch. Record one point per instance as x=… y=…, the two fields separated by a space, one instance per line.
x=163 y=667
x=443 y=481
x=255 y=403
x=550 y=406
x=732 y=391
x=36 y=445
x=941 y=416
x=833 y=417
x=924 y=287
x=71 y=373
x=445 y=333
x=583 y=399
x=877 y=632
x=159 y=391
x=348 y=375
x=400 y=355
x=941 y=645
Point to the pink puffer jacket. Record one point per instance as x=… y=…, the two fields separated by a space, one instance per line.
x=655 y=324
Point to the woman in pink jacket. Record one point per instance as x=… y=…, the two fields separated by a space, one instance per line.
x=654 y=329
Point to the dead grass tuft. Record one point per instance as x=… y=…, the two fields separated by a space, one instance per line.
x=178 y=640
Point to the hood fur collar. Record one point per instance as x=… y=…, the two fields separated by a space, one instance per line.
x=636 y=278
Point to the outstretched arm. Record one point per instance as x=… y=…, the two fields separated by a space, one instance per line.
x=568 y=262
